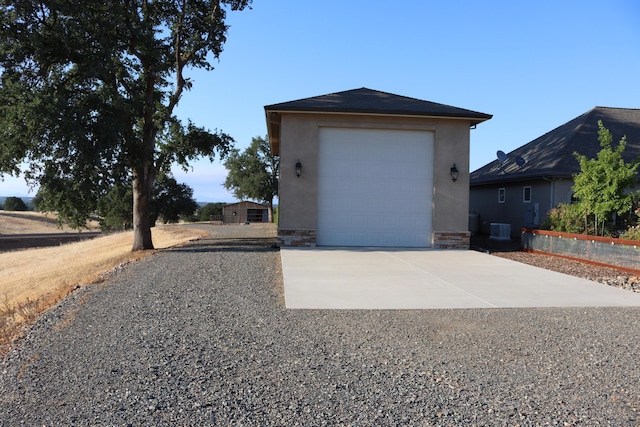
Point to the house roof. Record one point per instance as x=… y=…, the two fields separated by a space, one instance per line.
x=245 y=202
x=551 y=155
x=364 y=101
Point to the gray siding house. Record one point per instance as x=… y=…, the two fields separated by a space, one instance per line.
x=520 y=187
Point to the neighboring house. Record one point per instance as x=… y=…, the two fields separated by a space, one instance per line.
x=529 y=181
x=241 y=212
x=369 y=168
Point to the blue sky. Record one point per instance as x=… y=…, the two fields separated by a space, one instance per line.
x=532 y=65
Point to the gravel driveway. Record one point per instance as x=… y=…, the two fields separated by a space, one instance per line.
x=198 y=335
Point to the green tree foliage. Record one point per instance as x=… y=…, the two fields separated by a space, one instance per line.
x=35 y=202
x=603 y=185
x=566 y=218
x=210 y=209
x=172 y=201
x=115 y=209
x=73 y=208
x=88 y=91
x=253 y=174
x=14 y=204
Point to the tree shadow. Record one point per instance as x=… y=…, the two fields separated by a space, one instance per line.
x=241 y=244
x=15 y=214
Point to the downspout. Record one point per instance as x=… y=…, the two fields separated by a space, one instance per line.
x=552 y=192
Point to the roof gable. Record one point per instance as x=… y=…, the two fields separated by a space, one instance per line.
x=551 y=155
x=365 y=101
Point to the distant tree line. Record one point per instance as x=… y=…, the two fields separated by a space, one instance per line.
x=14 y=204
x=172 y=202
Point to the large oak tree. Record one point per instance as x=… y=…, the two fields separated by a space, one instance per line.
x=88 y=91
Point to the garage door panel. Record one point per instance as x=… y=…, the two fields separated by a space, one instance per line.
x=374 y=187
x=375 y=221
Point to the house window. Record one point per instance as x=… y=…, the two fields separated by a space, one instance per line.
x=526 y=194
x=501 y=195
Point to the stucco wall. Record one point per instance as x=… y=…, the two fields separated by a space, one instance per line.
x=299 y=137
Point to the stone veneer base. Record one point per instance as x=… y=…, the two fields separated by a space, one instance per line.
x=451 y=239
x=297 y=238
x=441 y=239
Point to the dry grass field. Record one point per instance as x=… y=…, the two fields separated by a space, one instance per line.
x=32 y=280
x=35 y=223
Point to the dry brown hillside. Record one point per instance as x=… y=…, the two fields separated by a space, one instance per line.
x=14 y=222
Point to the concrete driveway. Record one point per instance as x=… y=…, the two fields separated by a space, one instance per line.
x=359 y=278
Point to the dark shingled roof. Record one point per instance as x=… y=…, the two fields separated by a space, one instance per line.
x=551 y=155
x=368 y=101
x=364 y=101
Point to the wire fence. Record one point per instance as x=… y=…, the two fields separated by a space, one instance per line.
x=619 y=253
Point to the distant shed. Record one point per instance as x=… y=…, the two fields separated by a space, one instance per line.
x=236 y=213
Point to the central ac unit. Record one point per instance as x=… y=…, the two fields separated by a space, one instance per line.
x=500 y=231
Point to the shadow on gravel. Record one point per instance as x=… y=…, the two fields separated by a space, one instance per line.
x=252 y=244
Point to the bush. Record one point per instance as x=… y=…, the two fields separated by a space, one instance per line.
x=632 y=233
x=14 y=204
x=566 y=219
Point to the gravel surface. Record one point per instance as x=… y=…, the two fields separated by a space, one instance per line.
x=198 y=335
x=610 y=276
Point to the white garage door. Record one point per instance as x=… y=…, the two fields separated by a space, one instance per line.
x=375 y=187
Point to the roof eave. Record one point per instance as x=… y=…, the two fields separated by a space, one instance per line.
x=273 y=131
x=273 y=126
x=475 y=119
x=507 y=178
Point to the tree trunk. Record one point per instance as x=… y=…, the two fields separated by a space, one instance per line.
x=142 y=186
x=144 y=173
x=270 y=203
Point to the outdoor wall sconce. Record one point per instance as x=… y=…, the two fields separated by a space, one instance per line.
x=454 y=173
x=298 y=168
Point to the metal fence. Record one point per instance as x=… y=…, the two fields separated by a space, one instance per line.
x=619 y=253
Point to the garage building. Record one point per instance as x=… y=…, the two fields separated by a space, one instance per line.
x=369 y=168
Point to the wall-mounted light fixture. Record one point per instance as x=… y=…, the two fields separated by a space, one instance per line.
x=298 y=168
x=454 y=173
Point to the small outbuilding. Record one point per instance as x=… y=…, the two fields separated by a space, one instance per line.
x=241 y=212
x=369 y=168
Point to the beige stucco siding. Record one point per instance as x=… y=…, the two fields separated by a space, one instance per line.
x=299 y=141
x=451 y=199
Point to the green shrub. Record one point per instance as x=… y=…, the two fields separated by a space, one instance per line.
x=632 y=233
x=566 y=219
